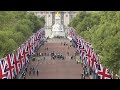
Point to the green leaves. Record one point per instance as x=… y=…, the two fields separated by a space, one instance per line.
x=15 y=28
x=103 y=33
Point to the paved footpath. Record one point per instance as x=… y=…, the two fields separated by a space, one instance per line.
x=55 y=69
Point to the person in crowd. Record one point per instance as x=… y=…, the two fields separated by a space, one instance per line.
x=26 y=69
x=23 y=77
x=78 y=61
x=71 y=57
x=33 y=72
x=57 y=55
x=64 y=43
x=63 y=57
x=40 y=54
x=53 y=53
x=24 y=74
x=83 y=75
x=47 y=48
x=37 y=72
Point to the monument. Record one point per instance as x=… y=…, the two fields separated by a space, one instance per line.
x=57 y=28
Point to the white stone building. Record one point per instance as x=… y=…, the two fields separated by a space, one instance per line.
x=66 y=17
x=58 y=28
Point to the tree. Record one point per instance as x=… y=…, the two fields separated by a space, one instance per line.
x=15 y=28
x=103 y=33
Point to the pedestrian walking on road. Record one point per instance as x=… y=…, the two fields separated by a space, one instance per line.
x=24 y=77
x=40 y=54
x=71 y=57
x=26 y=69
x=64 y=43
x=82 y=75
x=37 y=72
x=34 y=72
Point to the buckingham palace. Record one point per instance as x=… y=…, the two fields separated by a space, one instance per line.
x=66 y=17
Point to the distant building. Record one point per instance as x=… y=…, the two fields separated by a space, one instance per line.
x=58 y=28
x=66 y=17
x=49 y=16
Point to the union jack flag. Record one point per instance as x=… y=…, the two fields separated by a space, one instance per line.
x=10 y=66
x=103 y=72
x=88 y=55
x=30 y=47
x=3 y=66
x=36 y=40
x=25 y=53
x=71 y=33
x=82 y=50
x=16 y=63
x=33 y=43
x=78 y=44
x=20 y=56
x=93 y=61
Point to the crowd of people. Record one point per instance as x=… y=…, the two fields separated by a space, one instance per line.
x=57 y=55
x=32 y=70
x=54 y=56
x=84 y=72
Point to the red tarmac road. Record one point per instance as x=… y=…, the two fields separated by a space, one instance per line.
x=55 y=69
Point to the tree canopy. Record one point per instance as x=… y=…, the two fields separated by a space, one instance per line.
x=15 y=28
x=101 y=29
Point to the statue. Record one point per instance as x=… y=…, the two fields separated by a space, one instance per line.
x=57 y=28
x=57 y=14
